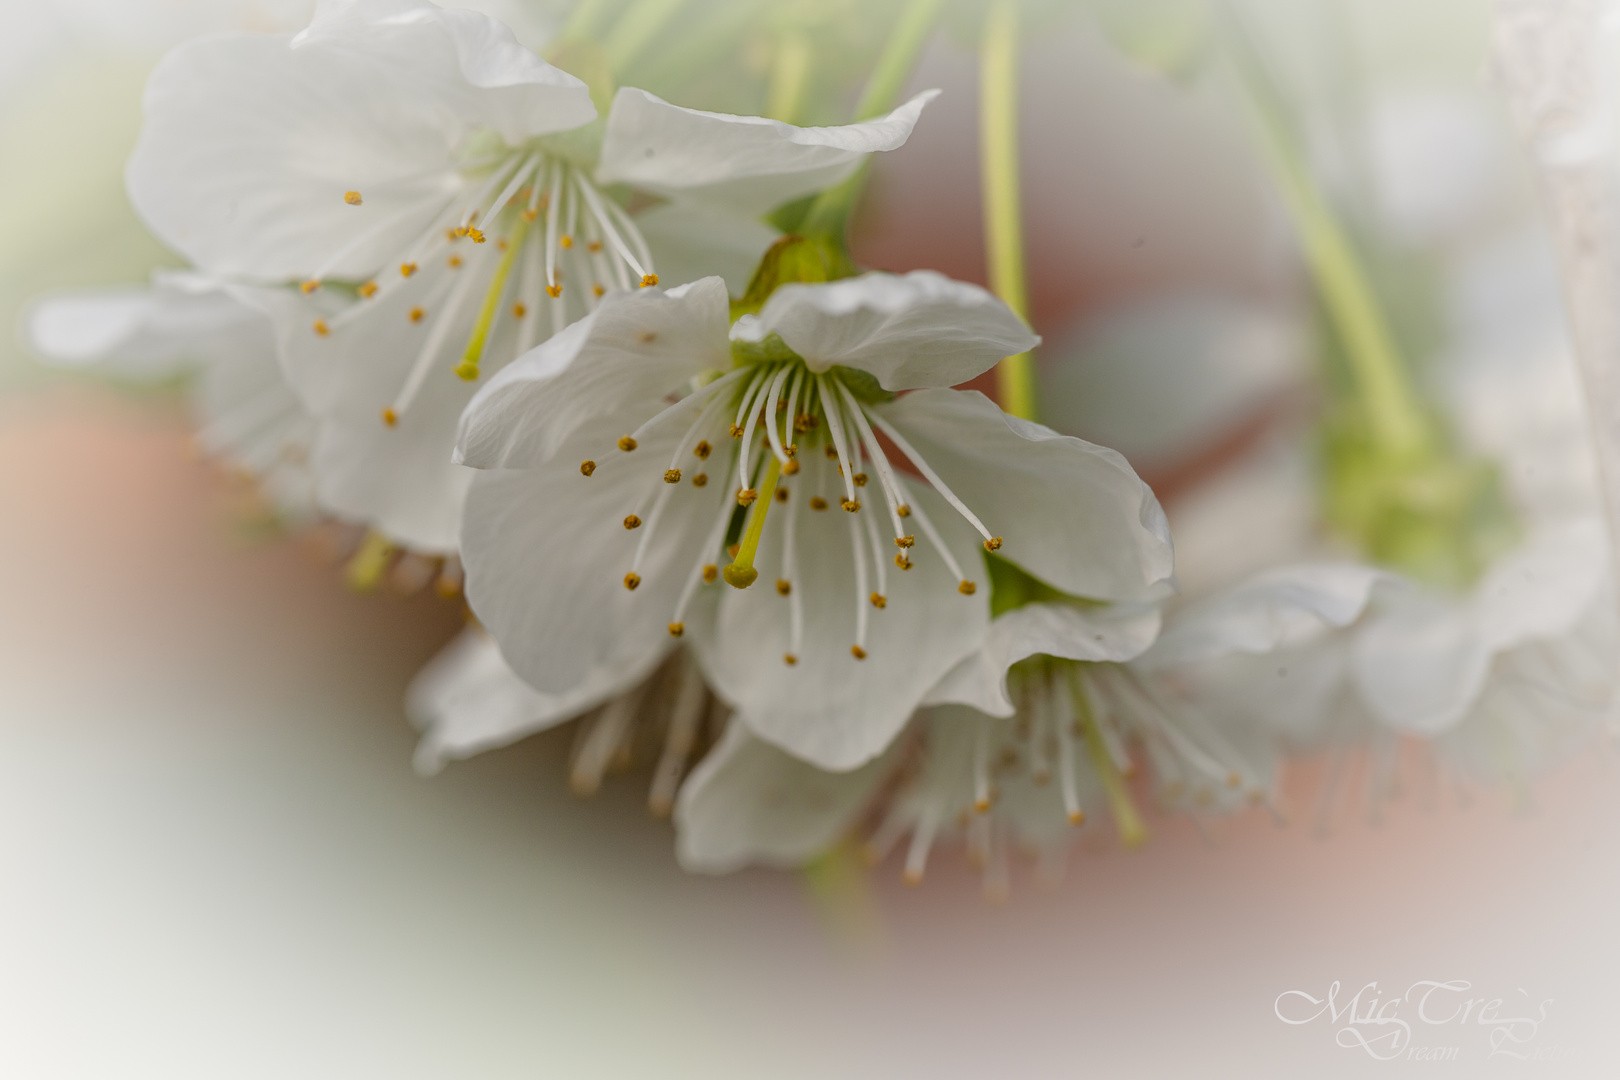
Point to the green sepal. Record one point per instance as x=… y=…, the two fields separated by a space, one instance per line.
x=1012 y=587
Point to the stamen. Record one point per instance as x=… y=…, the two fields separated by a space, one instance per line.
x=774 y=397
x=600 y=742
x=470 y=360
x=836 y=428
x=1132 y=831
x=817 y=503
x=431 y=346
x=862 y=589
x=1063 y=721
x=672 y=476
x=981 y=766
x=703 y=571
x=965 y=587
x=553 y=206
x=587 y=467
x=922 y=840
x=678 y=743
x=586 y=189
x=886 y=478
x=790 y=571
x=740 y=573
x=933 y=479
x=352 y=198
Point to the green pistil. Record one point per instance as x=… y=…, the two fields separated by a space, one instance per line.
x=740 y=572
x=1133 y=832
x=468 y=368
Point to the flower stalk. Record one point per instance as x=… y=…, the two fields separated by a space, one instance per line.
x=999 y=176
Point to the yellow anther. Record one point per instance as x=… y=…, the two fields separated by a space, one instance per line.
x=594 y=246
x=746 y=496
x=501 y=244
x=417 y=314
x=993 y=544
x=458 y=232
x=530 y=215
x=791 y=468
x=672 y=476
x=803 y=422
x=407 y=269
x=905 y=541
x=518 y=311
x=911 y=877
x=352 y=198
x=791 y=449
x=817 y=503
x=981 y=805
x=732 y=549
x=627 y=444
x=852 y=505
x=1077 y=817
x=860 y=479
x=632 y=522
x=554 y=291
x=902 y=562
x=646 y=337
x=598 y=290
x=648 y=280
x=1234 y=780
x=902 y=511
x=703 y=450
x=587 y=467
x=677 y=629
x=735 y=430
x=879 y=600
x=710 y=572
x=783 y=587
x=368 y=290
x=832 y=454
x=857 y=652
x=454 y=262
x=476 y=235
x=631 y=580
x=321 y=328
x=390 y=417
x=309 y=286
x=452 y=235
x=967 y=588
x=699 y=479
x=566 y=241
x=781 y=494
x=789 y=659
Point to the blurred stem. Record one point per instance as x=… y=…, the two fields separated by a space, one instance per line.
x=584 y=21
x=1383 y=383
x=790 y=76
x=635 y=29
x=829 y=214
x=999 y=176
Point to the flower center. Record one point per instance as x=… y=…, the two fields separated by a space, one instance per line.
x=792 y=431
x=551 y=226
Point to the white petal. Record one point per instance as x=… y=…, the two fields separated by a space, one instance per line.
x=144 y=333
x=468 y=699
x=1112 y=633
x=1423 y=662
x=1071 y=513
x=829 y=708
x=252 y=141
x=402 y=480
x=688 y=242
x=546 y=554
x=907 y=330
x=1273 y=610
x=630 y=354
x=750 y=803
x=745 y=164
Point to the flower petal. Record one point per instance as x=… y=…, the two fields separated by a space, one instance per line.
x=1423 y=662
x=747 y=165
x=1111 y=633
x=1272 y=610
x=178 y=323
x=468 y=699
x=907 y=330
x=830 y=708
x=251 y=142
x=1073 y=514
x=750 y=803
x=629 y=355
x=546 y=553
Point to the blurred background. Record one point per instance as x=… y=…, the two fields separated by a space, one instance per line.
x=218 y=861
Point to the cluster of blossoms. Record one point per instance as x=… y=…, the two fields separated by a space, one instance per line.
x=708 y=489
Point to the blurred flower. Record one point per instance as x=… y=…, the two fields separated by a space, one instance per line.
x=187 y=324
x=468 y=700
x=815 y=370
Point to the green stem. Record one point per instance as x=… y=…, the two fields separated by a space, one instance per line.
x=999 y=173
x=584 y=21
x=1133 y=832
x=829 y=214
x=1381 y=377
x=790 y=76
x=635 y=29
